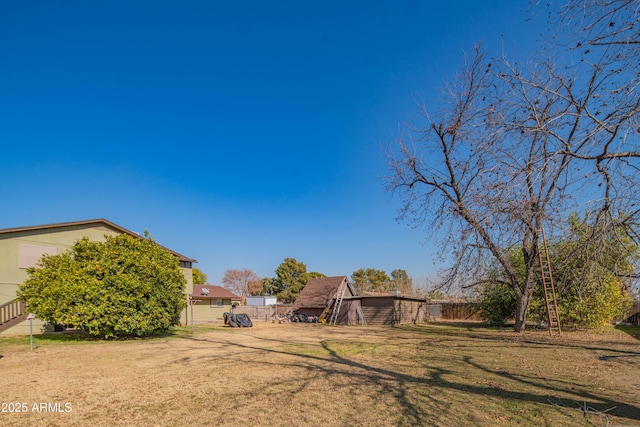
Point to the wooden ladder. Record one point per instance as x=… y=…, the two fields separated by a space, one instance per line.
x=328 y=309
x=323 y=316
x=339 y=297
x=548 y=287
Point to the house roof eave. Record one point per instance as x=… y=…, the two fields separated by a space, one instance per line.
x=90 y=222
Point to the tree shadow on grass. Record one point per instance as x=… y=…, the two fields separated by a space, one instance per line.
x=598 y=403
x=77 y=336
x=505 y=336
x=413 y=392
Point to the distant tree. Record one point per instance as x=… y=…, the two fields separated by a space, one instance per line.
x=122 y=286
x=239 y=281
x=370 y=280
x=271 y=286
x=400 y=281
x=198 y=276
x=359 y=280
x=255 y=287
x=291 y=277
x=435 y=294
x=267 y=286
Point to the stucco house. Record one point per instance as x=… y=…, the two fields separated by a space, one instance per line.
x=22 y=247
x=209 y=302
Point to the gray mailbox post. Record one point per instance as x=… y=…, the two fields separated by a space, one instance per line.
x=31 y=316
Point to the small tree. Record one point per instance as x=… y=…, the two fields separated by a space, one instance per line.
x=434 y=294
x=497 y=303
x=593 y=276
x=123 y=286
x=255 y=287
x=291 y=277
x=370 y=280
x=241 y=282
x=591 y=279
x=265 y=286
x=315 y=274
x=198 y=276
x=400 y=281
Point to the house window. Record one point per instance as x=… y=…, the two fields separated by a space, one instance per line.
x=216 y=302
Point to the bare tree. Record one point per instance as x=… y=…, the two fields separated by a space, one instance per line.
x=240 y=282
x=600 y=22
x=515 y=147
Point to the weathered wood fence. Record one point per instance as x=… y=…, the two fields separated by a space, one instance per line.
x=455 y=311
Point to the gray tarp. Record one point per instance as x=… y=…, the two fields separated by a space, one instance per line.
x=240 y=320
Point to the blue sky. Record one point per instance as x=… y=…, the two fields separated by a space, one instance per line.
x=237 y=133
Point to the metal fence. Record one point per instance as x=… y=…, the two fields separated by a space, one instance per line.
x=262 y=312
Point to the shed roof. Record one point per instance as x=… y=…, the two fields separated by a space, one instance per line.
x=214 y=292
x=319 y=292
x=88 y=223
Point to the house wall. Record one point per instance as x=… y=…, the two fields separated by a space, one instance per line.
x=56 y=240
x=52 y=240
x=187 y=271
x=204 y=312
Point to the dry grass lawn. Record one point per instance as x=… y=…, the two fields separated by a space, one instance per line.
x=310 y=374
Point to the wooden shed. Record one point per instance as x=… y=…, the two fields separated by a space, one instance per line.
x=321 y=292
x=392 y=310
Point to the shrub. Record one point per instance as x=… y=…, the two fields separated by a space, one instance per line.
x=123 y=286
x=497 y=303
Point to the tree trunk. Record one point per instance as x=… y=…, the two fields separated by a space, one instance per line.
x=521 y=311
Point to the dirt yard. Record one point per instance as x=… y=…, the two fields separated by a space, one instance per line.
x=310 y=374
